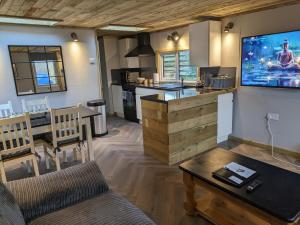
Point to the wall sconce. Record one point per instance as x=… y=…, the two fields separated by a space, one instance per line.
x=173 y=37
x=74 y=36
x=228 y=27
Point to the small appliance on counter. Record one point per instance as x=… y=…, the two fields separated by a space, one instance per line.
x=132 y=77
x=155 y=78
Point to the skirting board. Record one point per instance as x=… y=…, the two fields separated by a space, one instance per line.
x=269 y=147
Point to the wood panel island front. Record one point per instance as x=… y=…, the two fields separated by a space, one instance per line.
x=178 y=125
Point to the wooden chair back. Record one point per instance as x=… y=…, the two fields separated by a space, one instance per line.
x=6 y=110
x=66 y=124
x=36 y=105
x=15 y=135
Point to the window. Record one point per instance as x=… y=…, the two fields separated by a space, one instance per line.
x=176 y=65
x=37 y=69
x=169 y=66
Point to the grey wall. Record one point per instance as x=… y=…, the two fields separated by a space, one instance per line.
x=252 y=104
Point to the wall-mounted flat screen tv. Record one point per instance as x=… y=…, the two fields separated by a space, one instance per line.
x=271 y=60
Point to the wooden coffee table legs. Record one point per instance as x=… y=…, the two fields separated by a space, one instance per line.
x=190 y=204
x=221 y=208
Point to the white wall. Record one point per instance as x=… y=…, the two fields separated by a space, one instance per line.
x=252 y=104
x=159 y=40
x=82 y=77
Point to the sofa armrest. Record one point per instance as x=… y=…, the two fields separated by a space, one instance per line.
x=50 y=192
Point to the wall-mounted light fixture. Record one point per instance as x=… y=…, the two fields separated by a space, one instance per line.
x=74 y=36
x=173 y=37
x=228 y=27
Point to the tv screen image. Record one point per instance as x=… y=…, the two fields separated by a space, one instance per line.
x=271 y=60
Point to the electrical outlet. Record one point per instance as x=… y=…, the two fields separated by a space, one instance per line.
x=273 y=116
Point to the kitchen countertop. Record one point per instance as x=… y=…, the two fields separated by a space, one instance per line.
x=159 y=86
x=184 y=93
x=164 y=86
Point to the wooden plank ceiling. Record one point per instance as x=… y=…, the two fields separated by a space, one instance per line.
x=155 y=14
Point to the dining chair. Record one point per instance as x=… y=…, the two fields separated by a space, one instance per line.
x=67 y=131
x=36 y=105
x=16 y=143
x=6 y=110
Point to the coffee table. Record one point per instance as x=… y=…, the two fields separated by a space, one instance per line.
x=275 y=202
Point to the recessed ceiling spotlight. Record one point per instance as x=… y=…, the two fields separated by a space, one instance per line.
x=123 y=28
x=27 y=21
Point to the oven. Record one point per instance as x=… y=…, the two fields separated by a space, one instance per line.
x=129 y=102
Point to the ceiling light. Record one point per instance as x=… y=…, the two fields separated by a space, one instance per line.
x=74 y=37
x=123 y=28
x=228 y=27
x=173 y=37
x=27 y=21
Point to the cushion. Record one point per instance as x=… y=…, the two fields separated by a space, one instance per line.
x=10 y=213
x=105 y=209
x=37 y=196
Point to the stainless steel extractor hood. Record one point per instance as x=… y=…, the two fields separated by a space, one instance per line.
x=144 y=48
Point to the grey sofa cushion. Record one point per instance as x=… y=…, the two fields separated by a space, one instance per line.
x=10 y=213
x=50 y=192
x=106 y=209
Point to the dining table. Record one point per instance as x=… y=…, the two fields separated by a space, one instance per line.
x=41 y=124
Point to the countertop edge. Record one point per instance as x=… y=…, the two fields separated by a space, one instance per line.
x=216 y=92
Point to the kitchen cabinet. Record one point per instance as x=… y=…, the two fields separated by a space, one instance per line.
x=225 y=114
x=125 y=46
x=143 y=92
x=205 y=43
x=117 y=98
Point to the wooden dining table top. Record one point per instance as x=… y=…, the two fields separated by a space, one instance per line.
x=44 y=118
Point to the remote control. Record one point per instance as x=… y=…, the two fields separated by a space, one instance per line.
x=255 y=184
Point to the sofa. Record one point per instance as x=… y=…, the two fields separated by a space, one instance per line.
x=76 y=195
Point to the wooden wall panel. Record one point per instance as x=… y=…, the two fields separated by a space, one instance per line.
x=182 y=129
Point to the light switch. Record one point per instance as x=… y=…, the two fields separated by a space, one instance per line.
x=92 y=61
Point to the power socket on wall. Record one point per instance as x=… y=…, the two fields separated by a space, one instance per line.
x=273 y=116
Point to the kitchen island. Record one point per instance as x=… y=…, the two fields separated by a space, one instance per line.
x=178 y=125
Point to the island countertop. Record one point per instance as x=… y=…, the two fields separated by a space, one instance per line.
x=168 y=96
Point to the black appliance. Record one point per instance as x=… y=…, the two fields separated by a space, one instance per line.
x=144 y=48
x=129 y=102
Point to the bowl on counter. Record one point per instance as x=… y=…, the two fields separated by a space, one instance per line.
x=141 y=80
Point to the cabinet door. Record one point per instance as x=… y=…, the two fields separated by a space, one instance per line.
x=225 y=111
x=205 y=43
x=138 y=107
x=118 y=100
x=143 y=92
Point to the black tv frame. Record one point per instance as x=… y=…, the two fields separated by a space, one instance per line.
x=241 y=69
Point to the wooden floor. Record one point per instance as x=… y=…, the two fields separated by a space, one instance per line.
x=155 y=188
